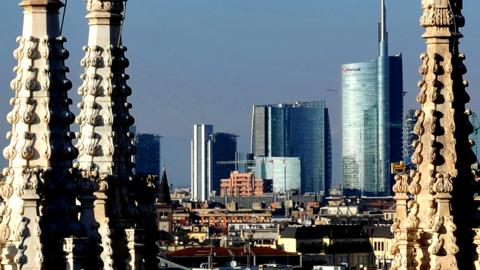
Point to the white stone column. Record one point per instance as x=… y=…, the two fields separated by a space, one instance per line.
x=104 y=140
x=440 y=203
x=38 y=188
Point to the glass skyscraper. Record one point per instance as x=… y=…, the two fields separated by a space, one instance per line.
x=212 y=158
x=201 y=165
x=372 y=105
x=360 y=122
x=301 y=130
x=223 y=148
x=284 y=171
x=147 y=157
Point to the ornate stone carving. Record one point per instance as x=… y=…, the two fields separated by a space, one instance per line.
x=441 y=152
x=443 y=183
x=104 y=141
x=401 y=184
x=39 y=198
x=418 y=128
x=422 y=95
x=476 y=241
x=417 y=157
x=436 y=246
x=415 y=187
x=28 y=151
x=413 y=221
x=432 y=123
x=436 y=16
x=114 y=6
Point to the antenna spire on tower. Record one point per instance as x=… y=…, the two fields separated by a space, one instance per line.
x=383 y=22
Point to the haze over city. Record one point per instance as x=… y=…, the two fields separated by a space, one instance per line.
x=210 y=61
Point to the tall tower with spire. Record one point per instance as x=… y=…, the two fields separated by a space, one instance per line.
x=435 y=226
x=383 y=107
x=38 y=188
x=372 y=109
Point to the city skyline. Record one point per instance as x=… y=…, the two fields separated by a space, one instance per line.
x=72 y=197
x=307 y=31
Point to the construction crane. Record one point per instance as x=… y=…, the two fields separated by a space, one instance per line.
x=248 y=163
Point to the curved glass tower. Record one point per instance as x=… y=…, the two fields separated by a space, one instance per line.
x=360 y=123
x=383 y=130
x=372 y=104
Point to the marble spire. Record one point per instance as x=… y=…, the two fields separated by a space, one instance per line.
x=434 y=228
x=38 y=187
x=104 y=139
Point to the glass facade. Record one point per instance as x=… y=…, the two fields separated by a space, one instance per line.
x=363 y=166
x=212 y=159
x=258 y=132
x=396 y=110
x=147 y=156
x=244 y=162
x=408 y=137
x=223 y=149
x=299 y=129
x=359 y=117
x=284 y=171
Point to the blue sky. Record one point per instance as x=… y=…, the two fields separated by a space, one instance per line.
x=195 y=61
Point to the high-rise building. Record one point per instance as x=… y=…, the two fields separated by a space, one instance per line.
x=200 y=162
x=301 y=130
x=284 y=171
x=212 y=158
x=147 y=157
x=409 y=137
x=372 y=105
x=223 y=148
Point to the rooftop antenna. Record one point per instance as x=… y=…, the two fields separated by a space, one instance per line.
x=383 y=22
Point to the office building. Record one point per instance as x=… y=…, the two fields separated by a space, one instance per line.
x=285 y=172
x=212 y=158
x=300 y=130
x=372 y=105
x=147 y=157
x=408 y=137
x=223 y=148
x=201 y=166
